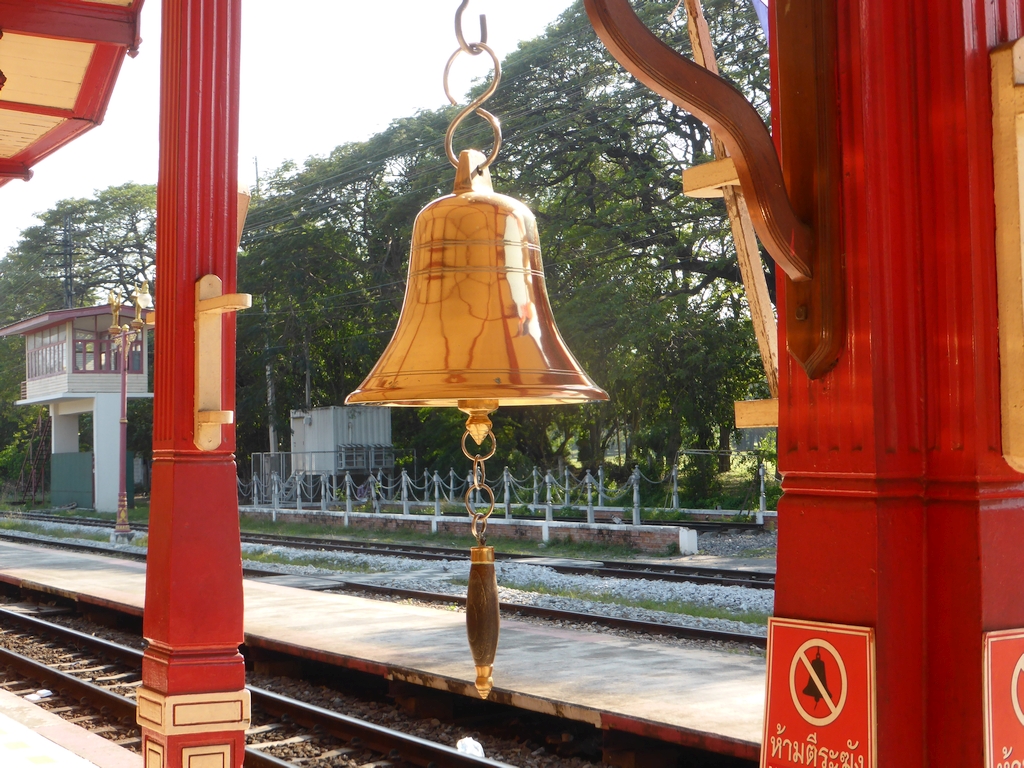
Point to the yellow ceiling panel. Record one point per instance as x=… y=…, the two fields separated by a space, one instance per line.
x=43 y=71
x=19 y=129
x=125 y=3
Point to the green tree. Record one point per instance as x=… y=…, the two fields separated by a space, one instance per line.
x=643 y=281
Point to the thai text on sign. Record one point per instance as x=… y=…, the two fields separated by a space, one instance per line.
x=820 y=698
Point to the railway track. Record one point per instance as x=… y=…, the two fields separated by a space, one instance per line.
x=90 y=673
x=727 y=577
x=341 y=583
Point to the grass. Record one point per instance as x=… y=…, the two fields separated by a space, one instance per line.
x=667 y=606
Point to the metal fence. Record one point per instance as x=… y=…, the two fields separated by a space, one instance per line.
x=303 y=485
x=360 y=460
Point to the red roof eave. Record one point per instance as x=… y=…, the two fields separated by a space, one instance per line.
x=71 y=20
x=59 y=316
x=113 y=29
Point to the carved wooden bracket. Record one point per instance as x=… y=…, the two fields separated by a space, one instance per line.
x=794 y=204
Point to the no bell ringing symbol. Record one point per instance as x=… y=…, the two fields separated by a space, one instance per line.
x=809 y=686
x=1015 y=689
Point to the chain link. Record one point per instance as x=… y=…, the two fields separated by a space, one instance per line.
x=479 y=483
x=473 y=49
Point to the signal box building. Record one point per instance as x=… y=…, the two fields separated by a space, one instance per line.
x=72 y=367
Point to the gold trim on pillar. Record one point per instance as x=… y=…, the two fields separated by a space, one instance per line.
x=193 y=713
x=154 y=754
x=209 y=756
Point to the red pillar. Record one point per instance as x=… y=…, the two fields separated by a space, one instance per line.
x=193 y=706
x=899 y=511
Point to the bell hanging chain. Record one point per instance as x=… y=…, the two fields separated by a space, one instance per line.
x=473 y=49
x=479 y=483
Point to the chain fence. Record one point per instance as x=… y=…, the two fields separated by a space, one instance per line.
x=540 y=494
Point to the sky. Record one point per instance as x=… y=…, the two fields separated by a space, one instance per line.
x=327 y=73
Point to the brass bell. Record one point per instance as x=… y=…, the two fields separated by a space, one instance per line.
x=811 y=689
x=475 y=332
x=476 y=324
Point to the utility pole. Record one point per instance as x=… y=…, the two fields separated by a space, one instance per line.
x=270 y=382
x=305 y=346
x=69 y=256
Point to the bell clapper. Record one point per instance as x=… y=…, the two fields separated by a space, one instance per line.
x=482 y=611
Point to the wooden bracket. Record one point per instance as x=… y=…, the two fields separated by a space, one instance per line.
x=1008 y=153
x=794 y=204
x=211 y=303
x=709 y=179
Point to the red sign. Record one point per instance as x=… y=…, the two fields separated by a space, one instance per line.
x=820 y=702
x=1004 y=698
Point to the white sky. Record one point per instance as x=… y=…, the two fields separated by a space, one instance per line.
x=325 y=73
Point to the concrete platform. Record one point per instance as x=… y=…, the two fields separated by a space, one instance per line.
x=31 y=737
x=702 y=698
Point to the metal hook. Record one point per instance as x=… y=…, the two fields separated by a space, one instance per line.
x=471 y=48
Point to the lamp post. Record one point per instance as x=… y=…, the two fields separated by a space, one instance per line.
x=121 y=336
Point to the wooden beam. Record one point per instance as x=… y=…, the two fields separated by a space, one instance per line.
x=755 y=285
x=14 y=170
x=66 y=20
x=752 y=414
x=708 y=179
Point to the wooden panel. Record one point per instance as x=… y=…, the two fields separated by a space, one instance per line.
x=1007 y=142
x=18 y=130
x=43 y=71
x=751 y=414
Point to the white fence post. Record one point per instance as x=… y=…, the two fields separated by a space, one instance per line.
x=590 y=497
x=275 y=495
x=451 y=485
x=437 y=498
x=762 y=505
x=568 y=498
x=636 y=495
x=323 y=493
x=405 y=493
x=675 y=488
x=600 y=486
x=508 y=496
x=348 y=497
x=548 y=511
x=298 y=492
x=536 y=490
